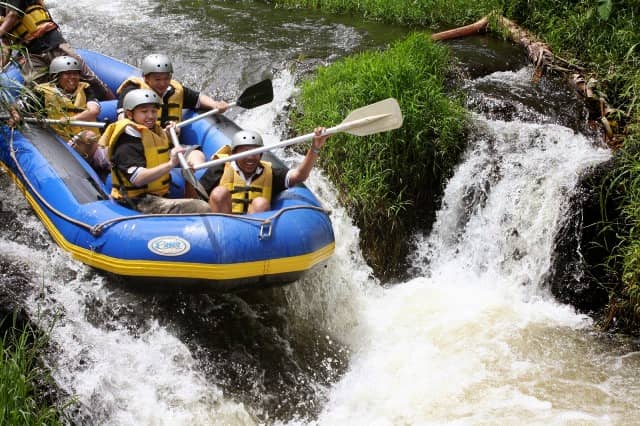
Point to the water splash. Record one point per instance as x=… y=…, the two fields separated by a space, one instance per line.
x=477 y=338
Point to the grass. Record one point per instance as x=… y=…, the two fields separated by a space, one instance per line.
x=21 y=378
x=623 y=264
x=417 y=13
x=391 y=181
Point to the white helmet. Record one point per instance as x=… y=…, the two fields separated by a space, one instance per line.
x=63 y=63
x=138 y=97
x=156 y=63
x=246 y=137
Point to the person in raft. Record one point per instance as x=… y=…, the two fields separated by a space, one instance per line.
x=142 y=157
x=247 y=185
x=66 y=97
x=27 y=26
x=157 y=73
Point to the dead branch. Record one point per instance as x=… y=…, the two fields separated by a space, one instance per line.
x=472 y=29
x=543 y=60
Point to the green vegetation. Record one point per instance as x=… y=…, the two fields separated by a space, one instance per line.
x=422 y=13
x=21 y=402
x=623 y=192
x=390 y=181
x=602 y=35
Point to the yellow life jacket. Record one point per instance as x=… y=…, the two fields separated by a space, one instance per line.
x=57 y=105
x=242 y=194
x=173 y=105
x=156 y=151
x=35 y=22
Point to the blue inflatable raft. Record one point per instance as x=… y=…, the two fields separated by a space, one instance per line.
x=212 y=251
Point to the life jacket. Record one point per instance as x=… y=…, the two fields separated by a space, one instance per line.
x=156 y=151
x=59 y=105
x=171 y=107
x=35 y=22
x=242 y=194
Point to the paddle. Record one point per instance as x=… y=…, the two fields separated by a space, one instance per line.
x=80 y=123
x=256 y=95
x=97 y=124
x=187 y=174
x=375 y=118
x=259 y=94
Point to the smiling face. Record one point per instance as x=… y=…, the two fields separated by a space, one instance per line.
x=68 y=80
x=158 y=81
x=249 y=164
x=145 y=114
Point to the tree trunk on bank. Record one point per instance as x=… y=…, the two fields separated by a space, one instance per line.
x=543 y=59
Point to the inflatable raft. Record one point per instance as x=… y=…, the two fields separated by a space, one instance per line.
x=211 y=251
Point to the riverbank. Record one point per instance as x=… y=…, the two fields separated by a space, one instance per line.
x=599 y=38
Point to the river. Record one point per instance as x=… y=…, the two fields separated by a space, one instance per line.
x=474 y=338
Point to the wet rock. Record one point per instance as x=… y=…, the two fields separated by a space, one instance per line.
x=577 y=273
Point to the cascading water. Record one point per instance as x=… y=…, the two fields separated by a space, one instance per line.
x=474 y=338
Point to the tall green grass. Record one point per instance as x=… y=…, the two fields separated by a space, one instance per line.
x=622 y=187
x=21 y=378
x=391 y=181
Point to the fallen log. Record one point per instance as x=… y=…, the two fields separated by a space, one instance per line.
x=543 y=59
x=468 y=30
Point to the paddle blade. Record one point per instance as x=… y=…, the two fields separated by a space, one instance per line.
x=375 y=118
x=190 y=178
x=256 y=95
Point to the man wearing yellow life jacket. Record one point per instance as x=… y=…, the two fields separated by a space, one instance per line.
x=142 y=158
x=157 y=72
x=27 y=25
x=247 y=185
x=65 y=97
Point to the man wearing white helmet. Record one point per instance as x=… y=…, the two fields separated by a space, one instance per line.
x=157 y=72
x=248 y=185
x=27 y=24
x=142 y=158
x=66 y=97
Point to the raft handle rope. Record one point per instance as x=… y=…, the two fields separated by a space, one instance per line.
x=265 y=224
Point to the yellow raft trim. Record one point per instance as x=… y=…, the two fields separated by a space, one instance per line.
x=149 y=268
x=154 y=268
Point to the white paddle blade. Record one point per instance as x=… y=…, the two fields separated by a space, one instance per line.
x=375 y=118
x=379 y=117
